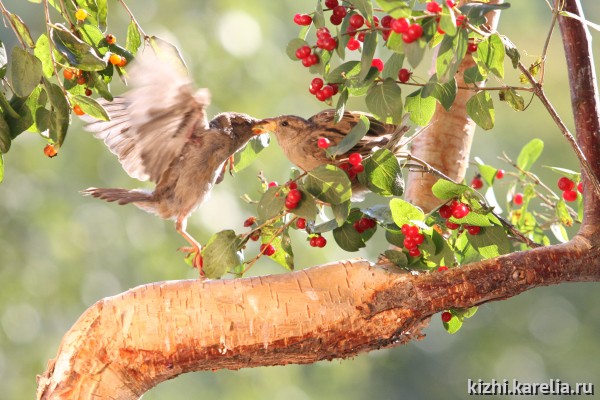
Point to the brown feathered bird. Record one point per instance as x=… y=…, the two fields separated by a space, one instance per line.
x=160 y=132
x=298 y=138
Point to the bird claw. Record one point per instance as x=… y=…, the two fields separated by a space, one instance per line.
x=195 y=258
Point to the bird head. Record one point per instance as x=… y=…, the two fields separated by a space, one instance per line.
x=284 y=126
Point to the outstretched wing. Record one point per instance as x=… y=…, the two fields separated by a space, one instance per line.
x=150 y=124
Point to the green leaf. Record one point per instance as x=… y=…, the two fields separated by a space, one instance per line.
x=76 y=51
x=100 y=83
x=384 y=174
x=348 y=238
x=168 y=52
x=328 y=183
x=341 y=105
x=341 y=211
x=91 y=107
x=365 y=7
x=445 y=93
x=271 y=203
x=490 y=56
x=380 y=212
x=21 y=29
x=514 y=99
x=395 y=43
x=397 y=257
x=491 y=242
x=451 y=52
x=414 y=52
x=101 y=13
x=318 y=17
x=323 y=65
x=42 y=52
x=480 y=107
x=7 y=108
x=529 y=154
x=221 y=254
x=472 y=75
x=563 y=213
x=473 y=218
x=59 y=113
x=405 y=213
x=357 y=132
x=511 y=51
x=488 y=173
x=282 y=243
x=445 y=190
x=133 y=40
x=395 y=8
x=369 y=47
x=392 y=66
x=247 y=154
x=343 y=71
x=25 y=72
x=385 y=101
x=475 y=12
x=421 y=109
x=569 y=173
x=294 y=45
x=5 y=140
x=448 y=21
x=94 y=37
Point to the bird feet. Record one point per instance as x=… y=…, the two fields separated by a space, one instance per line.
x=195 y=257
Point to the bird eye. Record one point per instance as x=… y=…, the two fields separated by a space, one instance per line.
x=285 y=123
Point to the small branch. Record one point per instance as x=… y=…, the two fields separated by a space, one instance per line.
x=51 y=47
x=546 y=44
x=139 y=27
x=541 y=94
x=6 y=15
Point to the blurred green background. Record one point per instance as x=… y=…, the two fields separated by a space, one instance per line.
x=61 y=252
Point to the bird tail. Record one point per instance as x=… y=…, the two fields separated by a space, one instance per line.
x=121 y=196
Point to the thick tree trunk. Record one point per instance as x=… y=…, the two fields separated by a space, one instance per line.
x=124 y=345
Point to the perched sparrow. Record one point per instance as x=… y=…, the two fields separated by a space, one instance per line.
x=160 y=132
x=298 y=137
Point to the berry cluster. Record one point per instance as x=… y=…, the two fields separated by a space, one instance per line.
x=293 y=198
x=412 y=239
x=457 y=210
x=364 y=224
x=567 y=186
x=302 y=19
x=410 y=32
x=321 y=91
x=317 y=241
x=308 y=58
x=353 y=166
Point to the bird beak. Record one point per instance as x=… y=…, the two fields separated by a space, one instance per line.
x=266 y=125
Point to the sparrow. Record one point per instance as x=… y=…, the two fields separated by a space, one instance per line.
x=298 y=138
x=160 y=132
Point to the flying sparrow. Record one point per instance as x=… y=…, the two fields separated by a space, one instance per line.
x=159 y=131
x=298 y=137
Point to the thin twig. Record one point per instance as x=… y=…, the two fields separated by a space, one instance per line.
x=6 y=15
x=546 y=44
x=538 y=90
x=139 y=27
x=51 y=47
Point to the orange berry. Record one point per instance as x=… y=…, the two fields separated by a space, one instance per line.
x=77 y=110
x=123 y=62
x=81 y=80
x=50 y=151
x=115 y=59
x=111 y=39
x=81 y=14
x=68 y=74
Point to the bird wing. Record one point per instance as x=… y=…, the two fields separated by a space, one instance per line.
x=150 y=125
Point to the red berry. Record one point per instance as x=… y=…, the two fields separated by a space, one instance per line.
x=357 y=227
x=452 y=225
x=301 y=223
x=272 y=184
x=323 y=33
x=404 y=75
x=460 y=19
x=323 y=143
x=460 y=210
x=409 y=243
x=361 y=37
x=473 y=230
x=413 y=231
x=406 y=38
x=400 y=25
x=249 y=222
x=68 y=74
x=356 y=21
x=255 y=236
x=88 y=92
x=321 y=95
x=377 y=63
x=331 y=3
x=405 y=229
x=335 y=19
x=580 y=187
x=316 y=83
x=472 y=47
x=340 y=11
x=476 y=183
x=292 y=185
x=302 y=19
x=414 y=252
x=303 y=52
x=313 y=241
x=500 y=174
x=445 y=211
x=518 y=199
x=415 y=31
x=365 y=223
x=357 y=169
x=355 y=159
x=433 y=7
x=294 y=196
x=570 y=195
x=446 y=316
x=329 y=44
x=290 y=205
x=419 y=238
x=335 y=88
x=442 y=268
x=111 y=39
x=353 y=44
x=565 y=183
x=81 y=80
x=450 y=3
x=267 y=249
x=327 y=91
x=386 y=21
x=375 y=19
x=320 y=241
